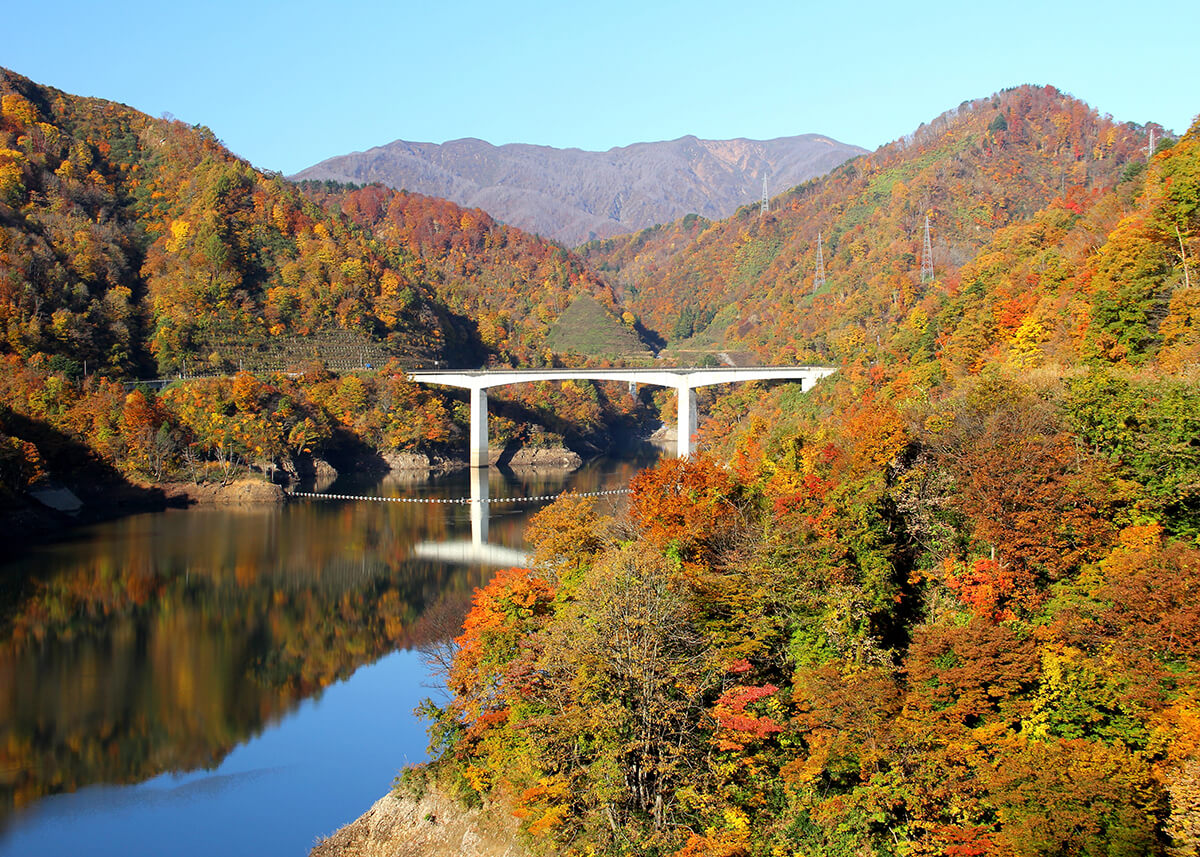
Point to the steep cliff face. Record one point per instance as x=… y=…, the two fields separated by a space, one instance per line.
x=431 y=825
x=572 y=195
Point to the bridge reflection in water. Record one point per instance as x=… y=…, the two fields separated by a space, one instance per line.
x=477 y=551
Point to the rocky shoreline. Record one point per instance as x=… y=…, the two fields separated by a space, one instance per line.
x=550 y=458
x=425 y=822
x=53 y=508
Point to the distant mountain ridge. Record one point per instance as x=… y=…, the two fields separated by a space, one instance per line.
x=573 y=195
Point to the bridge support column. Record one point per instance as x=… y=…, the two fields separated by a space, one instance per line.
x=479 y=427
x=686 y=424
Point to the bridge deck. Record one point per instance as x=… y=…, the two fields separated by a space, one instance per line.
x=691 y=377
x=684 y=380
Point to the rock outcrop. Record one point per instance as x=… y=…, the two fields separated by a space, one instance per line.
x=241 y=491
x=432 y=824
x=399 y=462
x=535 y=458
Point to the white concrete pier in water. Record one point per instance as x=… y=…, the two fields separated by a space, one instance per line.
x=685 y=382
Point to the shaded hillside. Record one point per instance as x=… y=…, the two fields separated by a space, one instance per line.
x=974 y=170
x=573 y=195
x=513 y=286
x=140 y=245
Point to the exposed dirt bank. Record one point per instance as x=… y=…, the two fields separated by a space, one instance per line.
x=215 y=494
x=49 y=513
x=432 y=825
x=53 y=508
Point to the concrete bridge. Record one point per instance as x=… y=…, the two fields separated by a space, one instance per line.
x=685 y=382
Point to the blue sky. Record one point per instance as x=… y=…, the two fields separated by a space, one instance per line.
x=288 y=84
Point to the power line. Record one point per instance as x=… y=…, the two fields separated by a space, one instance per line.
x=927 y=256
x=819 y=273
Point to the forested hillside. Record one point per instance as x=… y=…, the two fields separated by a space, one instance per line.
x=749 y=280
x=511 y=285
x=943 y=604
x=133 y=247
x=139 y=244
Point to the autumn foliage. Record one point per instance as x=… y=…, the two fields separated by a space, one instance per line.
x=870 y=633
x=942 y=604
x=511 y=285
x=945 y=601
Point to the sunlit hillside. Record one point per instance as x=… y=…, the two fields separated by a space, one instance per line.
x=748 y=282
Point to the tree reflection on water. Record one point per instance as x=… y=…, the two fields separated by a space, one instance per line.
x=160 y=642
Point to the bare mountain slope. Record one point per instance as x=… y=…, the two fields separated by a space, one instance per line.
x=572 y=195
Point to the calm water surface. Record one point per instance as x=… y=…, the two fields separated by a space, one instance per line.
x=237 y=681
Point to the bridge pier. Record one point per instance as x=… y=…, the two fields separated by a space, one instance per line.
x=479 y=427
x=685 y=423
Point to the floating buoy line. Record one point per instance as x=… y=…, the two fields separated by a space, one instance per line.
x=456 y=500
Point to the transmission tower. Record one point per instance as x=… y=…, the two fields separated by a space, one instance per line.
x=927 y=256
x=763 y=209
x=819 y=273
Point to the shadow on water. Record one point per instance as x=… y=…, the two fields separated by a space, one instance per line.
x=160 y=642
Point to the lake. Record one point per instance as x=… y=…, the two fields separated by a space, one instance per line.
x=240 y=680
